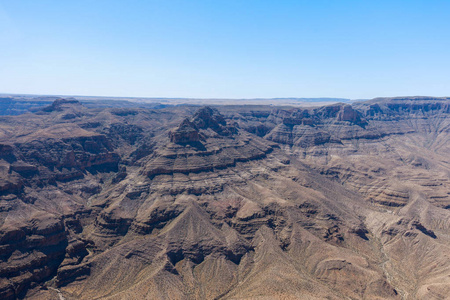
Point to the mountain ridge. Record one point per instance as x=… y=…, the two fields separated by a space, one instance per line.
x=226 y=202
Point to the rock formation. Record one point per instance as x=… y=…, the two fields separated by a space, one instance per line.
x=185 y=133
x=230 y=202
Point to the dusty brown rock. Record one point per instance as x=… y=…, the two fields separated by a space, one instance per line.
x=185 y=133
x=334 y=202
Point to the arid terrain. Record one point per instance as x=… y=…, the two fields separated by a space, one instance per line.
x=343 y=201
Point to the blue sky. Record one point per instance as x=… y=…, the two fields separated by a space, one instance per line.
x=225 y=49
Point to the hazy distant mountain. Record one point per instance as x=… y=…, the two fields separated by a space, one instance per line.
x=19 y=104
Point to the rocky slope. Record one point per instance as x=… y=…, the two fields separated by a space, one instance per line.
x=233 y=202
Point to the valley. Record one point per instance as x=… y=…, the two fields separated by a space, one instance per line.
x=336 y=201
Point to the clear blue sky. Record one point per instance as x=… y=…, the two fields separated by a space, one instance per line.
x=225 y=48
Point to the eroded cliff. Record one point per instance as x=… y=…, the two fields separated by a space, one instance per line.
x=226 y=202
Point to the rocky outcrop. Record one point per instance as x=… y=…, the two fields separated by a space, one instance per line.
x=209 y=118
x=387 y=108
x=204 y=143
x=73 y=268
x=11 y=185
x=205 y=123
x=59 y=105
x=24 y=169
x=67 y=158
x=185 y=133
x=126 y=132
x=348 y=114
x=30 y=254
x=7 y=153
x=314 y=126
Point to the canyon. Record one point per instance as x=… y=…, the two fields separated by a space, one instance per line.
x=342 y=201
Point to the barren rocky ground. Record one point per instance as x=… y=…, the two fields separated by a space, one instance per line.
x=227 y=202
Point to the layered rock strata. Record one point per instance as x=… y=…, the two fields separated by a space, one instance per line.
x=341 y=201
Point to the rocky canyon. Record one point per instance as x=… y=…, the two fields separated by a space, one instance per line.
x=342 y=201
